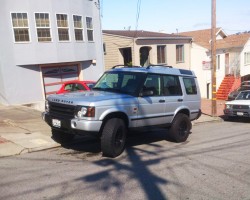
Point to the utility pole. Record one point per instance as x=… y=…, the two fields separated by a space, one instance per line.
x=213 y=56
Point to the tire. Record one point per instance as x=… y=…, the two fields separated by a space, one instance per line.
x=113 y=137
x=62 y=137
x=180 y=128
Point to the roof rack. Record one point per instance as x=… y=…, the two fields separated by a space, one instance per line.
x=124 y=66
x=148 y=67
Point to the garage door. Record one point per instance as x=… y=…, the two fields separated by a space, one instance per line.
x=54 y=76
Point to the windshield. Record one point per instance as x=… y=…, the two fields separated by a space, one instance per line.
x=244 y=95
x=122 y=82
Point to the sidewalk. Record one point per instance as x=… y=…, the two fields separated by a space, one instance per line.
x=22 y=129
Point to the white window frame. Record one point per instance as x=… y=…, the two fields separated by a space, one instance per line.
x=20 y=27
x=63 y=27
x=90 y=29
x=182 y=60
x=78 y=28
x=247 y=58
x=43 y=27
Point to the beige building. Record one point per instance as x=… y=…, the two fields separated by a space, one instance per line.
x=142 y=48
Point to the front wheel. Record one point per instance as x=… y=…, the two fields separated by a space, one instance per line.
x=180 y=128
x=113 y=137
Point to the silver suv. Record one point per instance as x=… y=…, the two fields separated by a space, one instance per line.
x=126 y=98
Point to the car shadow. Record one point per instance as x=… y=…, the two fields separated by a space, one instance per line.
x=92 y=145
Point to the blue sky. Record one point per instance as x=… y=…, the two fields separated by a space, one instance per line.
x=169 y=15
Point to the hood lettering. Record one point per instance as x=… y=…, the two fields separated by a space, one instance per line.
x=62 y=101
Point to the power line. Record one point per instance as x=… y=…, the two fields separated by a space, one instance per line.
x=138 y=14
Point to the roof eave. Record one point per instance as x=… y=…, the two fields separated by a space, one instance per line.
x=164 y=38
x=110 y=34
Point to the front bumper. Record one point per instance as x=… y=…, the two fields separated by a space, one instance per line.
x=237 y=112
x=71 y=125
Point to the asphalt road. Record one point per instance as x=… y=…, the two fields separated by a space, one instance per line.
x=213 y=164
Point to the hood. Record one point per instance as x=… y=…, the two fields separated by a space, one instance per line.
x=86 y=97
x=239 y=102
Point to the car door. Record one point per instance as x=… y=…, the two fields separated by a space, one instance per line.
x=192 y=96
x=152 y=104
x=173 y=96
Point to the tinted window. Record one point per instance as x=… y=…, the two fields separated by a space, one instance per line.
x=171 y=86
x=243 y=96
x=190 y=85
x=79 y=87
x=124 y=82
x=68 y=87
x=153 y=83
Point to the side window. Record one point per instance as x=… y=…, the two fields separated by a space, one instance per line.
x=153 y=83
x=79 y=87
x=171 y=86
x=190 y=86
x=128 y=83
x=68 y=87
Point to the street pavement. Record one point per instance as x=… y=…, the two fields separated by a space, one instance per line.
x=22 y=129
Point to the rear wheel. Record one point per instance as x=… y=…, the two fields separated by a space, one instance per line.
x=62 y=137
x=113 y=137
x=180 y=128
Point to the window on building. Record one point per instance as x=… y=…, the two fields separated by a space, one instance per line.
x=218 y=62
x=161 y=54
x=246 y=58
x=179 y=53
x=20 y=27
x=43 y=27
x=104 y=49
x=78 y=27
x=63 y=27
x=89 y=24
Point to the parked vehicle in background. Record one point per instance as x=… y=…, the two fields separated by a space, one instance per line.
x=244 y=86
x=126 y=98
x=240 y=107
x=75 y=85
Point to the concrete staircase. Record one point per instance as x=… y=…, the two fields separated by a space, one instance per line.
x=228 y=84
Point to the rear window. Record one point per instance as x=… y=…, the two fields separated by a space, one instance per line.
x=190 y=86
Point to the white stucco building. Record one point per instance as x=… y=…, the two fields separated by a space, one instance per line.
x=44 y=43
x=232 y=57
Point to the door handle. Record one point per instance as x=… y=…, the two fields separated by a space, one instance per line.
x=180 y=100
x=161 y=101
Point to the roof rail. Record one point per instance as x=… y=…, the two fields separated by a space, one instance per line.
x=148 y=67
x=124 y=66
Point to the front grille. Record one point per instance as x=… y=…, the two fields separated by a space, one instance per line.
x=61 y=110
x=240 y=107
x=244 y=114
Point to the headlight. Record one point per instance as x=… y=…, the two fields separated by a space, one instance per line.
x=82 y=111
x=46 y=106
x=228 y=106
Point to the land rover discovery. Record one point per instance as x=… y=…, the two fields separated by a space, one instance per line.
x=126 y=98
